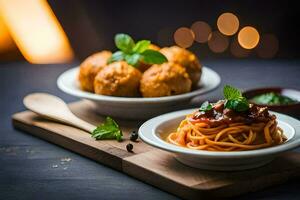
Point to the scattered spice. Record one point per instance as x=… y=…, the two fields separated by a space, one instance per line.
x=129 y=147
x=134 y=136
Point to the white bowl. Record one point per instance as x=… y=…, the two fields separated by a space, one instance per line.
x=137 y=107
x=154 y=131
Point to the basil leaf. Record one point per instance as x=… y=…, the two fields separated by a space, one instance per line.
x=241 y=104
x=206 y=106
x=132 y=59
x=141 y=46
x=231 y=92
x=153 y=57
x=108 y=130
x=230 y=104
x=124 y=42
x=117 y=56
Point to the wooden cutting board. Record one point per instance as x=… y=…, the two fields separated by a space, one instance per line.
x=154 y=166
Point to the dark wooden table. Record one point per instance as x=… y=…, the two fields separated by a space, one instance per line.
x=31 y=168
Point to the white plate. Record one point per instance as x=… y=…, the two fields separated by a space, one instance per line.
x=153 y=131
x=137 y=107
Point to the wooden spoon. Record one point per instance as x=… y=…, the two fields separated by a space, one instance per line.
x=54 y=108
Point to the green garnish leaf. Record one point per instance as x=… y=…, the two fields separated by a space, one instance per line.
x=234 y=99
x=241 y=104
x=108 y=130
x=153 y=57
x=133 y=53
x=124 y=42
x=206 y=106
x=117 y=56
x=132 y=59
x=231 y=92
x=141 y=46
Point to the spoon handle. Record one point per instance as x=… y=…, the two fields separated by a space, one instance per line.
x=70 y=119
x=79 y=123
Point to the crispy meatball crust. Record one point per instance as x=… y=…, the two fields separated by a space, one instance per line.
x=185 y=58
x=90 y=67
x=154 y=47
x=165 y=80
x=118 y=79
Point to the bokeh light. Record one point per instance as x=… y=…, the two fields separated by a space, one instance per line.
x=217 y=42
x=201 y=30
x=6 y=42
x=36 y=31
x=248 y=37
x=268 y=46
x=184 y=37
x=237 y=50
x=228 y=24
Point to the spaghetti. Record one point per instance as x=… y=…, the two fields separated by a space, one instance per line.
x=222 y=129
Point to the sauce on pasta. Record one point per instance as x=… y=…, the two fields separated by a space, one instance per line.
x=223 y=129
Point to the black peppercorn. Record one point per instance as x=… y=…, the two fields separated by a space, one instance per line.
x=129 y=147
x=134 y=136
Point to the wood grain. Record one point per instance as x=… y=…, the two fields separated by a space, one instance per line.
x=154 y=166
x=161 y=169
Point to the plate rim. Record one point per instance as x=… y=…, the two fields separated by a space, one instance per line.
x=161 y=144
x=96 y=97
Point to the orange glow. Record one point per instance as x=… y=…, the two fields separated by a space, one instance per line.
x=248 y=37
x=268 y=46
x=36 y=31
x=6 y=42
x=184 y=37
x=237 y=50
x=228 y=23
x=201 y=30
x=217 y=42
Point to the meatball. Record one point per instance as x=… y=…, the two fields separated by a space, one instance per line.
x=90 y=67
x=118 y=79
x=143 y=66
x=154 y=47
x=185 y=58
x=164 y=80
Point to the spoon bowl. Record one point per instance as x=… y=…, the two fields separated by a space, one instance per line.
x=54 y=108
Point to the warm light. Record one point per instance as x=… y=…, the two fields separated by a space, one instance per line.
x=201 y=30
x=228 y=24
x=184 y=37
x=268 y=46
x=237 y=50
x=248 y=37
x=6 y=42
x=217 y=42
x=36 y=31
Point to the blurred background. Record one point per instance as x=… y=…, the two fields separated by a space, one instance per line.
x=57 y=31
